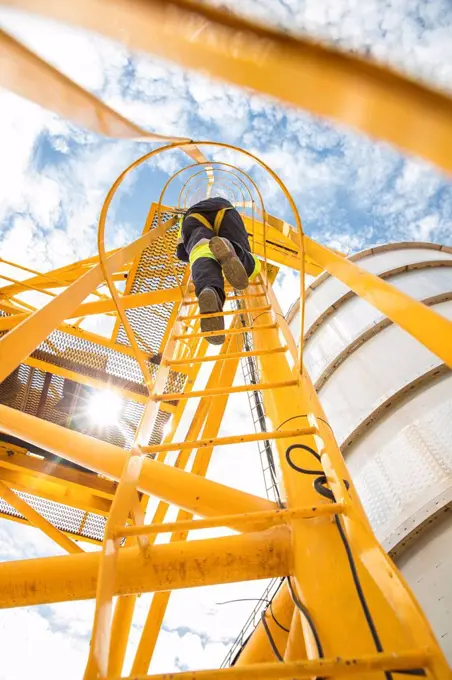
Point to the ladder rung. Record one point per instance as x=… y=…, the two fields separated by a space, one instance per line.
x=339 y=666
x=251 y=284
x=225 y=357
x=229 y=299
x=224 y=441
x=230 y=312
x=218 y=391
x=267 y=517
x=226 y=331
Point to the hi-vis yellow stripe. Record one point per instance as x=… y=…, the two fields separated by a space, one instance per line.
x=201 y=251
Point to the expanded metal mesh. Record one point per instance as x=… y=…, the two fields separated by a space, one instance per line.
x=74 y=352
x=64 y=517
x=157 y=269
x=42 y=394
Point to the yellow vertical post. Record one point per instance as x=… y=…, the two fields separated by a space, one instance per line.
x=322 y=576
x=120 y=631
x=295 y=648
x=222 y=374
x=391 y=591
x=278 y=619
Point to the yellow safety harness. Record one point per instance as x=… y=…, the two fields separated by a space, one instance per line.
x=203 y=250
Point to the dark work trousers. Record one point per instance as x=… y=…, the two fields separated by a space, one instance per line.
x=206 y=272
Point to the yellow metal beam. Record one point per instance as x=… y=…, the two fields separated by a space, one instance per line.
x=184 y=564
x=103 y=306
x=263 y=520
x=280 y=246
x=316 y=77
x=75 y=376
x=295 y=647
x=422 y=322
x=56 y=482
x=237 y=389
x=329 y=667
x=16 y=345
x=257 y=648
x=225 y=441
x=30 y=76
x=74 y=536
x=321 y=580
x=200 y=496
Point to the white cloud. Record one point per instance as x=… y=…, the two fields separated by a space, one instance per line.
x=30 y=646
x=350 y=191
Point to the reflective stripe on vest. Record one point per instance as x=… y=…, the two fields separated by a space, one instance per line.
x=202 y=250
x=257 y=268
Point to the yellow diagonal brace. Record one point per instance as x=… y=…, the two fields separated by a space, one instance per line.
x=16 y=345
x=32 y=77
x=422 y=322
x=38 y=520
x=191 y=492
x=316 y=77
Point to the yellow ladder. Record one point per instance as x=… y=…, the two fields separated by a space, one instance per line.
x=343 y=609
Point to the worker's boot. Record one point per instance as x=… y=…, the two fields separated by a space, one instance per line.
x=209 y=303
x=234 y=271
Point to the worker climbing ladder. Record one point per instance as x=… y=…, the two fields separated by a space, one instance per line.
x=343 y=608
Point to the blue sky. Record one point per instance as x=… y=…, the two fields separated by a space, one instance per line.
x=352 y=192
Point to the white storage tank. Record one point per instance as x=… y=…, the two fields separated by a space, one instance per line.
x=389 y=402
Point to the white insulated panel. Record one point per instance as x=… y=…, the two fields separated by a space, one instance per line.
x=356 y=315
x=331 y=289
x=427 y=566
x=373 y=373
x=404 y=462
x=402 y=465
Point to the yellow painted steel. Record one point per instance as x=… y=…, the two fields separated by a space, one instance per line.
x=229 y=312
x=422 y=322
x=200 y=496
x=16 y=345
x=181 y=564
x=295 y=647
x=278 y=617
x=228 y=331
x=231 y=390
x=120 y=632
x=313 y=583
x=267 y=519
x=230 y=355
x=38 y=520
x=359 y=666
x=316 y=540
x=316 y=77
x=26 y=286
x=224 y=441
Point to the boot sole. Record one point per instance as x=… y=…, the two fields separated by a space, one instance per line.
x=208 y=304
x=234 y=271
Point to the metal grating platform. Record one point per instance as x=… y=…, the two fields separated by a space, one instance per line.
x=154 y=271
x=74 y=521
x=40 y=393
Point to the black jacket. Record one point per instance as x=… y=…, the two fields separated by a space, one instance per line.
x=232 y=226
